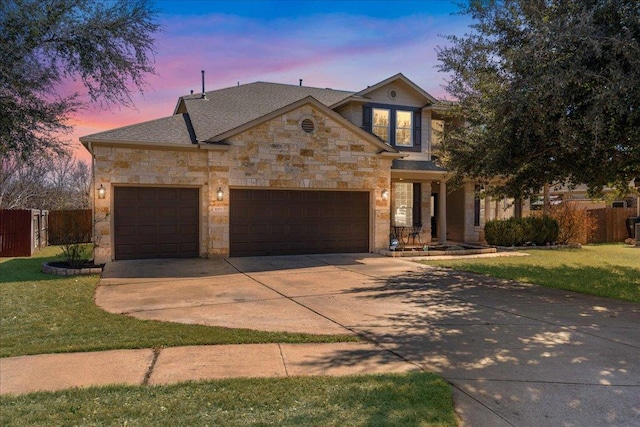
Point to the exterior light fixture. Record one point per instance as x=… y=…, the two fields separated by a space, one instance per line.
x=102 y=192
x=385 y=194
x=219 y=194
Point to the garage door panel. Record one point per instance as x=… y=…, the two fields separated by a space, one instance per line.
x=282 y=222
x=155 y=222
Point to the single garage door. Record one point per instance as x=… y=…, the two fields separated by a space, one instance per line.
x=151 y=222
x=288 y=222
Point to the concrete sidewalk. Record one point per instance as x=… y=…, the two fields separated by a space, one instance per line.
x=50 y=372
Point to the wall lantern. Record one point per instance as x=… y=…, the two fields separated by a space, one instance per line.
x=219 y=194
x=385 y=194
x=102 y=192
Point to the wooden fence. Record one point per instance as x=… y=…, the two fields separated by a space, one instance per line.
x=70 y=226
x=611 y=224
x=22 y=231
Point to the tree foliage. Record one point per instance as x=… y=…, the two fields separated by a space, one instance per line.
x=549 y=91
x=47 y=45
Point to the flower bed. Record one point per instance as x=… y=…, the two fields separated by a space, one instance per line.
x=437 y=250
x=61 y=268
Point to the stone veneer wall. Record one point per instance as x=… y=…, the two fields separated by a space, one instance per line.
x=275 y=154
x=145 y=167
x=279 y=154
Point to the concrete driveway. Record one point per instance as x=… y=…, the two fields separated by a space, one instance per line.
x=516 y=354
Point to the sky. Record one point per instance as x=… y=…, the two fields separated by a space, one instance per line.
x=348 y=44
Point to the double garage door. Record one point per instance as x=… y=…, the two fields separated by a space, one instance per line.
x=289 y=222
x=153 y=222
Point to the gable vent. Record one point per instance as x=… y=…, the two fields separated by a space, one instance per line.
x=308 y=126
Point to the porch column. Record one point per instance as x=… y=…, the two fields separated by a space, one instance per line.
x=425 y=211
x=442 y=213
x=487 y=209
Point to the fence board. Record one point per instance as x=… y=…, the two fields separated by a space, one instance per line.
x=16 y=232
x=611 y=224
x=63 y=224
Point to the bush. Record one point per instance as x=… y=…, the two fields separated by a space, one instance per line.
x=72 y=237
x=576 y=225
x=521 y=231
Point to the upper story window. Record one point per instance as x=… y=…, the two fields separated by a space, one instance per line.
x=404 y=128
x=381 y=123
x=397 y=126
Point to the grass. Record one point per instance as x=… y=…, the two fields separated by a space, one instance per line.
x=415 y=399
x=611 y=270
x=41 y=313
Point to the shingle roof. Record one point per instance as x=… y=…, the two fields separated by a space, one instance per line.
x=226 y=109
x=416 y=165
x=174 y=129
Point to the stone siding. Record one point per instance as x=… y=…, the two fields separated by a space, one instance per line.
x=145 y=167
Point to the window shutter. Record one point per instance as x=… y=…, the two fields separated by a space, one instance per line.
x=417 y=127
x=366 y=118
x=417 y=205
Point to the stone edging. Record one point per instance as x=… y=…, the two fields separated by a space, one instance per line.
x=419 y=253
x=62 y=271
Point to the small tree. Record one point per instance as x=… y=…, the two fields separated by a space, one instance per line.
x=575 y=224
x=74 y=242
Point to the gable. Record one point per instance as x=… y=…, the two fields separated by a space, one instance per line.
x=396 y=93
x=308 y=147
x=406 y=92
x=223 y=110
x=320 y=110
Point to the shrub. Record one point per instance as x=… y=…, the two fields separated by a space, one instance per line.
x=576 y=225
x=71 y=239
x=521 y=231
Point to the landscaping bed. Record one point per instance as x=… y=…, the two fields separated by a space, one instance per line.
x=62 y=268
x=438 y=250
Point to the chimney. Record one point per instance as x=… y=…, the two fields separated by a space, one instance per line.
x=300 y=82
x=204 y=95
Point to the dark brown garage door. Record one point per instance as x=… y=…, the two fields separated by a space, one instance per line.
x=155 y=222
x=286 y=222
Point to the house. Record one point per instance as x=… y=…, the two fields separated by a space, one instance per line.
x=271 y=169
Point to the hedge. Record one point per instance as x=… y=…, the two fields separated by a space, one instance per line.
x=522 y=231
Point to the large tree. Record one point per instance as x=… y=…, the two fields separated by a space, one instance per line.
x=549 y=91
x=47 y=45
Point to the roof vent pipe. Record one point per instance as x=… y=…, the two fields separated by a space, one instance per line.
x=204 y=95
x=300 y=82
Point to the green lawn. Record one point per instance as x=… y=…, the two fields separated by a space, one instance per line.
x=611 y=270
x=416 y=399
x=41 y=313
